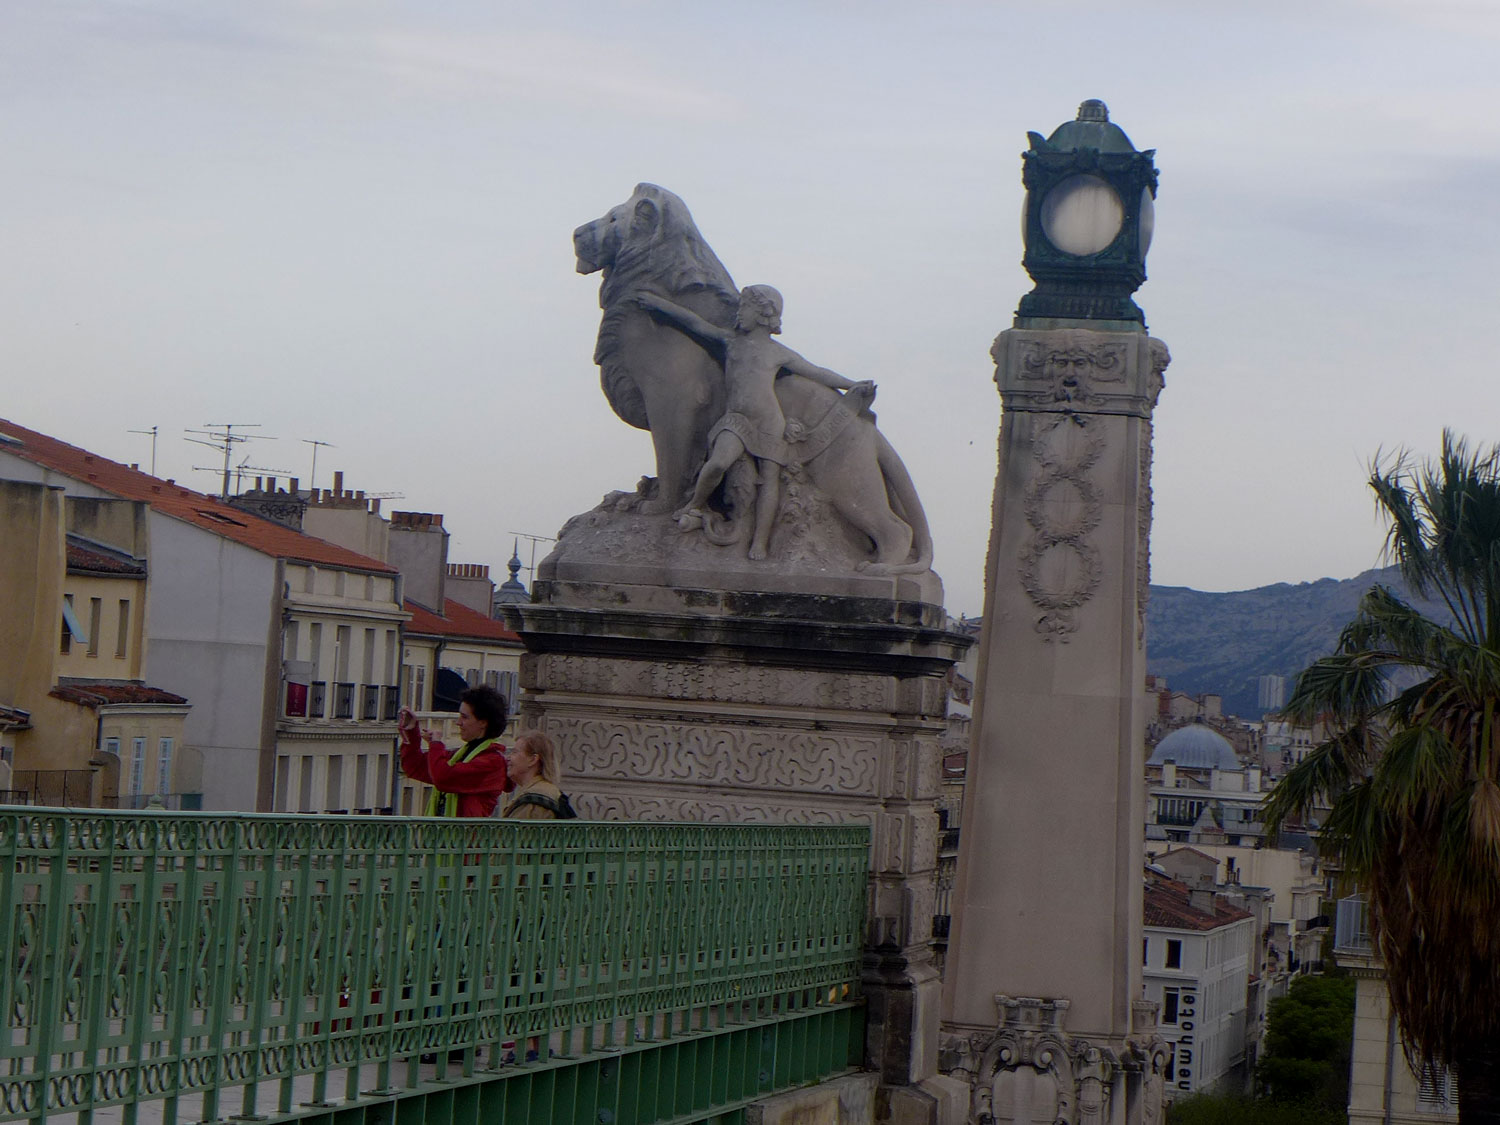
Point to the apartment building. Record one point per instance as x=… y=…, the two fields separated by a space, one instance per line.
x=286 y=645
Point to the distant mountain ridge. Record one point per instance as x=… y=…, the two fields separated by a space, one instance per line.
x=1224 y=643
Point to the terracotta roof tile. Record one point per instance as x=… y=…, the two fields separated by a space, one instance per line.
x=181 y=503
x=96 y=693
x=1167 y=904
x=458 y=620
x=94 y=561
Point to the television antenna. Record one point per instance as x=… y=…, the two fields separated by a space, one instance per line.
x=534 y=540
x=312 y=477
x=220 y=436
x=152 y=431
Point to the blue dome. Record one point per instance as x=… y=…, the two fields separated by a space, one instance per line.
x=1196 y=746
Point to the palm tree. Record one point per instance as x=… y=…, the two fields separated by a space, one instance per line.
x=1409 y=770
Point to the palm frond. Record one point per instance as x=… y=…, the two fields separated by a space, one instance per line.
x=1409 y=775
x=1342 y=688
x=1330 y=769
x=1420 y=764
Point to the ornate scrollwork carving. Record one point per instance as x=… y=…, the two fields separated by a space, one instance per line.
x=1030 y=1038
x=1059 y=568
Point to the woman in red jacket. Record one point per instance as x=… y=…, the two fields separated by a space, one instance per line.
x=467 y=781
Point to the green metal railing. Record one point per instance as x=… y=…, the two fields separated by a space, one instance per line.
x=260 y=966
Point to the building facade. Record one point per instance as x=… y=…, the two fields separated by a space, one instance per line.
x=1383 y=1088
x=94 y=733
x=232 y=602
x=1197 y=956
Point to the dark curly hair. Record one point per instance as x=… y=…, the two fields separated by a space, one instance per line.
x=488 y=706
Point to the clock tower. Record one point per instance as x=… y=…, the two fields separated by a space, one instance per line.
x=1043 y=1012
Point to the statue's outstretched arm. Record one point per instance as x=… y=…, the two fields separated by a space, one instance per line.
x=710 y=335
x=799 y=366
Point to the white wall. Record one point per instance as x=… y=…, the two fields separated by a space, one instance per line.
x=208 y=619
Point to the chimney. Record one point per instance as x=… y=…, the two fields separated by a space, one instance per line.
x=293 y=487
x=338 y=482
x=419 y=550
x=1201 y=899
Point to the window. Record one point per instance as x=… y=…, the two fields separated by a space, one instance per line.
x=382 y=787
x=342 y=640
x=1169 y=998
x=164 y=766
x=369 y=655
x=296 y=700
x=1174 y=953
x=315 y=646
x=289 y=641
x=304 y=797
x=112 y=746
x=1145 y=951
x=72 y=628
x=1178 y=810
x=333 y=792
x=419 y=688
x=96 y=611
x=1436 y=1091
x=137 y=765
x=122 y=637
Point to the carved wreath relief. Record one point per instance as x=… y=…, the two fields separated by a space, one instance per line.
x=1059 y=568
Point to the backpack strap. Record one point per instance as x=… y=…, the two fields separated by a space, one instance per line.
x=560 y=807
x=541 y=799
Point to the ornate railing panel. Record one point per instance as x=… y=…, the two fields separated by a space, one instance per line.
x=241 y=965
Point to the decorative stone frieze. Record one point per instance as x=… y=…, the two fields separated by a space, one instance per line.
x=601 y=747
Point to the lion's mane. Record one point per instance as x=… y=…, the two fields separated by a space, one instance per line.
x=673 y=261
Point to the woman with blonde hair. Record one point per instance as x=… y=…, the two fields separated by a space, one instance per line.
x=532 y=763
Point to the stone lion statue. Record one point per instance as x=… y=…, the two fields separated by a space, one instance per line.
x=659 y=379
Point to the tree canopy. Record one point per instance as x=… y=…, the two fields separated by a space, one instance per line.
x=1406 y=783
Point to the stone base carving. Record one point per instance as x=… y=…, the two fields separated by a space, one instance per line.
x=672 y=703
x=1030 y=1071
x=622 y=541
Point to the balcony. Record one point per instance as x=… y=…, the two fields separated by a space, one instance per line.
x=392 y=704
x=1351 y=931
x=317 y=699
x=369 y=703
x=343 y=701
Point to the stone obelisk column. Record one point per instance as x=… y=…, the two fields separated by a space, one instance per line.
x=1041 y=992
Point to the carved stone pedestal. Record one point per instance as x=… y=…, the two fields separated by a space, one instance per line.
x=674 y=702
x=1031 y=1072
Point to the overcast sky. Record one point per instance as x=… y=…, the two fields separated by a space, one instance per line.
x=351 y=222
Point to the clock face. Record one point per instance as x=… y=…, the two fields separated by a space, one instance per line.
x=1082 y=215
x=1148 y=221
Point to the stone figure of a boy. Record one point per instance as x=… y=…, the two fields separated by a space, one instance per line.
x=753 y=421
